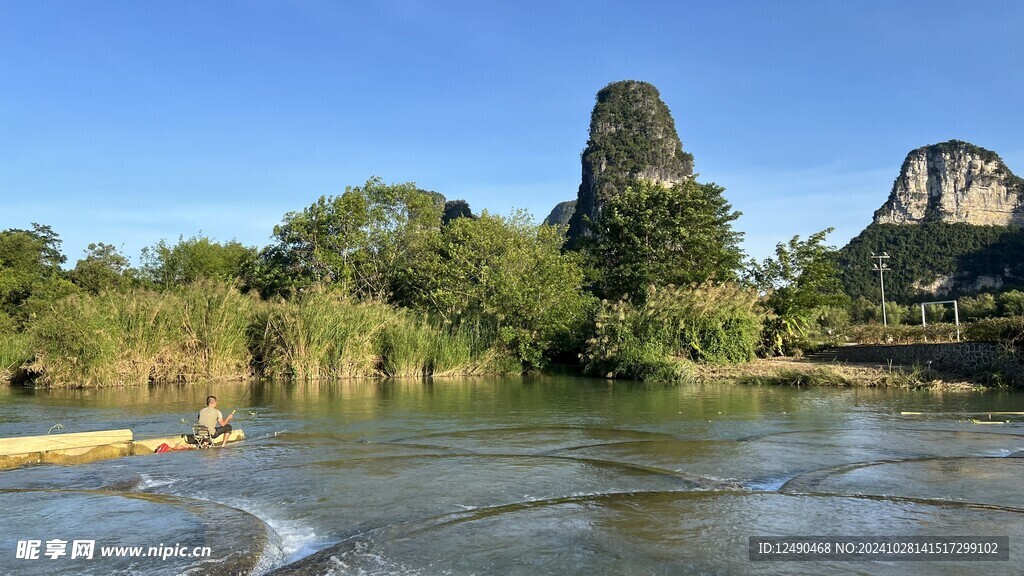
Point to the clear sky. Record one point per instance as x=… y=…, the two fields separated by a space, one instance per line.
x=128 y=122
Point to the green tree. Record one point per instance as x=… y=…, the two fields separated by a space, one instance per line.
x=1011 y=303
x=801 y=280
x=652 y=234
x=936 y=313
x=365 y=240
x=511 y=277
x=191 y=259
x=980 y=306
x=30 y=274
x=102 y=268
x=897 y=314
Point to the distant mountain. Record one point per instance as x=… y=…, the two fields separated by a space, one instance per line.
x=632 y=135
x=954 y=182
x=952 y=226
x=452 y=209
x=561 y=213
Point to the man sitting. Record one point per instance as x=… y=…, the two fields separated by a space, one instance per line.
x=214 y=421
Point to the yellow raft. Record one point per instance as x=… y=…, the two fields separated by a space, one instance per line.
x=83 y=447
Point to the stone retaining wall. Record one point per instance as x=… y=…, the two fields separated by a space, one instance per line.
x=967 y=358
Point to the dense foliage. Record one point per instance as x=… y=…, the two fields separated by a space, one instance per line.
x=921 y=254
x=1009 y=330
x=30 y=274
x=137 y=336
x=210 y=330
x=365 y=241
x=372 y=282
x=658 y=235
x=102 y=268
x=509 y=276
x=166 y=265
x=801 y=286
x=715 y=323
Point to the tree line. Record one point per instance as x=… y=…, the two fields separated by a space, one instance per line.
x=659 y=282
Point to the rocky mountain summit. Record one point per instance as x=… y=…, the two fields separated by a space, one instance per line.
x=954 y=182
x=632 y=135
x=953 y=224
x=561 y=213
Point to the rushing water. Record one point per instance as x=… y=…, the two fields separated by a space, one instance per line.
x=544 y=475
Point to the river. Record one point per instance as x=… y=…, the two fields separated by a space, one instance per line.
x=531 y=475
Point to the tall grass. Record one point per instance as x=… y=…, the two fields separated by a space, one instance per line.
x=320 y=335
x=416 y=347
x=210 y=331
x=215 y=321
x=15 y=350
x=77 y=343
x=716 y=324
x=194 y=333
x=328 y=335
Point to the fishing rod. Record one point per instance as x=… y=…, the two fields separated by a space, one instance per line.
x=983 y=412
x=246 y=393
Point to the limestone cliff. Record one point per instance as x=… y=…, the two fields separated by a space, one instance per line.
x=632 y=135
x=954 y=182
x=953 y=225
x=561 y=214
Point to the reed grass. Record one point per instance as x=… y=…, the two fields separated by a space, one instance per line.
x=417 y=347
x=198 y=332
x=320 y=335
x=76 y=344
x=215 y=321
x=210 y=331
x=408 y=348
x=328 y=335
x=15 y=351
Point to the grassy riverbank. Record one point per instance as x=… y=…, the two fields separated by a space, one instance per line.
x=793 y=372
x=211 y=331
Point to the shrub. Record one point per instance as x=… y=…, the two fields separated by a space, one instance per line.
x=902 y=334
x=980 y=306
x=1009 y=330
x=830 y=327
x=1011 y=303
x=512 y=278
x=718 y=324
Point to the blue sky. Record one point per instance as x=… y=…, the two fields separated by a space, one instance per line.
x=128 y=122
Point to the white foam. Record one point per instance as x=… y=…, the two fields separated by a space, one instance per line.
x=291 y=540
x=149 y=481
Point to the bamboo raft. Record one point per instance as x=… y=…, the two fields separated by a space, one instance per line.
x=84 y=447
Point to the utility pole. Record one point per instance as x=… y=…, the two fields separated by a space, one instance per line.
x=882 y=267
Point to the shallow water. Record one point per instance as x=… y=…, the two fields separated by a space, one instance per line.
x=538 y=475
